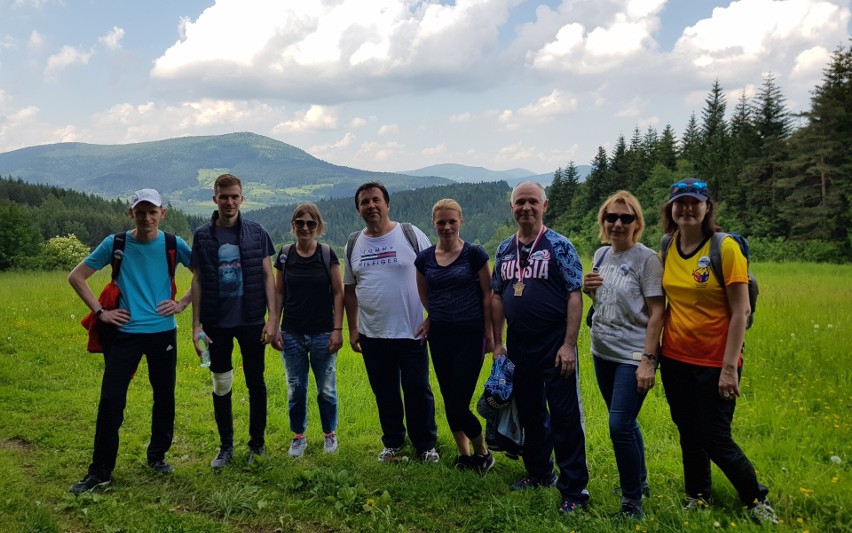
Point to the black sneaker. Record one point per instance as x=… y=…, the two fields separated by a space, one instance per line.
x=463 y=462
x=531 y=482
x=88 y=484
x=223 y=458
x=483 y=463
x=160 y=467
x=570 y=505
x=255 y=453
x=631 y=510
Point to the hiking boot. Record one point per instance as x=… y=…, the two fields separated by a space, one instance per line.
x=483 y=463
x=631 y=510
x=763 y=513
x=430 y=456
x=88 y=484
x=297 y=446
x=391 y=455
x=223 y=458
x=531 y=482
x=330 y=444
x=693 y=504
x=570 y=505
x=160 y=467
x=463 y=462
x=255 y=454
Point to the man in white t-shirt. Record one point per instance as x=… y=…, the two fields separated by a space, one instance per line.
x=383 y=311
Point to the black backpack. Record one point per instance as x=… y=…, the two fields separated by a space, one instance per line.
x=716 y=264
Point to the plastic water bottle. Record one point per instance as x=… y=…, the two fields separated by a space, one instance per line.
x=205 y=354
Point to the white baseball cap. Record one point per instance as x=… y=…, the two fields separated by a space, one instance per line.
x=146 y=195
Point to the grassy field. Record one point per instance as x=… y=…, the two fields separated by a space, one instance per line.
x=793 y=422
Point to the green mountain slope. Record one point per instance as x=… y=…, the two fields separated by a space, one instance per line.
x=183 y=169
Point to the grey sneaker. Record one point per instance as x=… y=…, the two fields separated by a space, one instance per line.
x=391 y=455
x=255 y=454
x=430 y=456
x=223 y=458
x=763 y=513
x=297 y=447
x=88 y=484
x=161 y=467
x=693 y=504
x=330 y=445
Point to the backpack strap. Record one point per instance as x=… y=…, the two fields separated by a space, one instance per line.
x=325 y=252
x=601 y=258
x=410 y=236
x=716 y=256
x=119 y=240
x=665 y=244
x=350 y=244
x=171 y=259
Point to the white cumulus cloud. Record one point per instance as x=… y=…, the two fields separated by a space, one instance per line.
x=66 y=57
x=315 y=118
x=112 y=40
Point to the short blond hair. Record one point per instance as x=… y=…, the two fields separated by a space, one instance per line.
x=629 y=201
x=446 y=203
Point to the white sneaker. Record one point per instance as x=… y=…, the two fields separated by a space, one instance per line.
x=430 y=456
x=763 y=513
x=330 y=445
x=297 y=447
x=389 y=455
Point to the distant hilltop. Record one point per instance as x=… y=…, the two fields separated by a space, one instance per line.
x=183 y=169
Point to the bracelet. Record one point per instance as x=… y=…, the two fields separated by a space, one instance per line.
x=651 y=357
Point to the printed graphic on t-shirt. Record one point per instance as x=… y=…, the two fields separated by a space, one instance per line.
x=380 y=255
x=230 y=271
x=537 y=267
x=702 y=273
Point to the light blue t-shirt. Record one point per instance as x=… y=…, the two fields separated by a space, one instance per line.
x=143 y=280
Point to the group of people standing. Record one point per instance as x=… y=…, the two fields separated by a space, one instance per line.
x=392 y=273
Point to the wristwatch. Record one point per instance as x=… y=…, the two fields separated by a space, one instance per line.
x=99 y=312
x=651 y=357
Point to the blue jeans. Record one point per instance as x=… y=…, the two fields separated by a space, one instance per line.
x=301 y=352
x=617 y=382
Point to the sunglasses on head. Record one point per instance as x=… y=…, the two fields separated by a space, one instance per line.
x=696 y=186
x=311 y=224
x=625 y=218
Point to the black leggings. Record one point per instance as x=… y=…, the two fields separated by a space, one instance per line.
x=457 y=352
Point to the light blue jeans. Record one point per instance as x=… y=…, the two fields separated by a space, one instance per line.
x=301 y=352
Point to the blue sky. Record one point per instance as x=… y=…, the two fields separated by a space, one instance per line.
x=399 y=84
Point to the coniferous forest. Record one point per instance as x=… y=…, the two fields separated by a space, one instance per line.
x=783 y=180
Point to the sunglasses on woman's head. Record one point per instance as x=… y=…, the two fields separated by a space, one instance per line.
x=696 y=186
x=625 y=218
x=311 y=224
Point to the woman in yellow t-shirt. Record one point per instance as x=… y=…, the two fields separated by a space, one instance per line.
x=701 y=361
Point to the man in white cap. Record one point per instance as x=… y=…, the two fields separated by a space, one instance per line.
x=145 y=258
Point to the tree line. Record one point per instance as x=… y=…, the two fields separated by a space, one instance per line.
x=783 y=180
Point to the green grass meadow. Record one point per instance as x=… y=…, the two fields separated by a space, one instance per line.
x=793 y=422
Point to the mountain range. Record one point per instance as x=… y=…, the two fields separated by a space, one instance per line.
x=183 y=170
